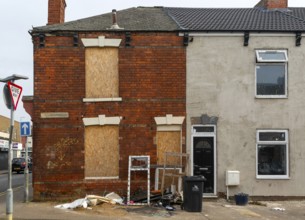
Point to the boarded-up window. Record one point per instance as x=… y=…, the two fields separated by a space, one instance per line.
x=102 y=79
x=102 y=151
x=168 y=141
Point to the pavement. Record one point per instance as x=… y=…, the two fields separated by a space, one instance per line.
x=212 y=209
x=218 y=209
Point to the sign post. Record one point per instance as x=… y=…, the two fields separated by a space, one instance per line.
x=15 y=92
x=25 y=130
x=11 y=103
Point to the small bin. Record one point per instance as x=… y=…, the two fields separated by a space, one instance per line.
x=241 y=199
x=192 y=193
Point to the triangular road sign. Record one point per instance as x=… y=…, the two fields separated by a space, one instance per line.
x=15 y=91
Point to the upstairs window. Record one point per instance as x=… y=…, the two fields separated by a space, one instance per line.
x=272 y=154
x=102 y=69
x=271 y=73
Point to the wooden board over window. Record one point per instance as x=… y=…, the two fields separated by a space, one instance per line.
x=102 y=79
x=102 y=151
x=168 y=141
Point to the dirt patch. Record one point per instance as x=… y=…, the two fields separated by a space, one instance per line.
x=106 y=209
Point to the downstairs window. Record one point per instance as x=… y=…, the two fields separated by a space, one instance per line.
x=272 y=154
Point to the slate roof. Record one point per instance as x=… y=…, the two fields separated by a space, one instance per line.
x=239 y=19
x=132 y=19
x=191 y=19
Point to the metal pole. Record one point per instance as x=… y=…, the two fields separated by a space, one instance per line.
x=26 y=173
x=9 y=195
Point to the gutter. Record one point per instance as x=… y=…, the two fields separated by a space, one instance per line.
x=241 y=34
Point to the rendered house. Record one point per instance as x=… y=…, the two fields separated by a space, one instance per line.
x=224 y=85
x=245 y=97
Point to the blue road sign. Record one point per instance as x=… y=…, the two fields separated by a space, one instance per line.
x=25 y=128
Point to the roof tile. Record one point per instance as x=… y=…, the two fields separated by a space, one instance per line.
x=191 y=19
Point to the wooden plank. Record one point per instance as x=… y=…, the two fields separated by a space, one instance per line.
x=168 y=141
x=101 y=151
x=102 y=78
x=172 y=178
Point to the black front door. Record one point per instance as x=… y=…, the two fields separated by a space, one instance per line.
x=203 y=157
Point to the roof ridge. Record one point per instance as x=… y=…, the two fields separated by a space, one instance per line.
x=165 y=9
x=289 y=15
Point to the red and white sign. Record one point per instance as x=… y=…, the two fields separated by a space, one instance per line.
x=15 y=92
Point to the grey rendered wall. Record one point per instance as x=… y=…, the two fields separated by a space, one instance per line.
x=221 y=82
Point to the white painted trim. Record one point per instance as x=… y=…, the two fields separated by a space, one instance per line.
x=273 y=35
x=226 y=34
x=101 y=41
x=214 y=34
x=169 y=120
x=102 y=178
x=102 y=120
x=261 y=60
x=169 y=128
x=286 y=142
x=118 y=99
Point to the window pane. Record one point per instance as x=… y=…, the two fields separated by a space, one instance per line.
x=271 y=159
x=272 y=55
x=272 y=136
x=270 y=79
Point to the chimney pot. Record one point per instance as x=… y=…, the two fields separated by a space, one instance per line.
x=114 y=18
x=114 y=21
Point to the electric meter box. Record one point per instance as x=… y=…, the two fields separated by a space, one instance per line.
x=232 y=178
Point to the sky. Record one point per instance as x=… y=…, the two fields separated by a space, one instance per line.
x=17 y=17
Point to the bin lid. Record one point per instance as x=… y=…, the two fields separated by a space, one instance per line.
x=194 y=178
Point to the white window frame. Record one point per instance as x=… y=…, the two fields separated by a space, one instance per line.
x=286 y=142
x=261 y=62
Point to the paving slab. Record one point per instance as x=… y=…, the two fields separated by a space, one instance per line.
x=218 y=209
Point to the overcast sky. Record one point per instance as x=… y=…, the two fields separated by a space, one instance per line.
x=18 y=16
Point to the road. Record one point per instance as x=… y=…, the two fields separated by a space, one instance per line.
x=17 y=185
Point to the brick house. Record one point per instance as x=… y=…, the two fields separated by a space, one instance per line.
x=99 y=90
x=224 y=85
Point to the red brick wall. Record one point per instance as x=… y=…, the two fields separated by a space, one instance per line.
x=56 y=13
x=28 y=104
x=271 y=4
x=151 y=83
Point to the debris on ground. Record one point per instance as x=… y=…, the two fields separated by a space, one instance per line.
x=92 y=200
x=150 y=211
x=278 y=209
x=162 y=205
x=76 y=204
x=115 y=198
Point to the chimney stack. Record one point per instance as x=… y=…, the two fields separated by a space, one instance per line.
x=56 y=11
x=115 y=21
x=272 y=4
